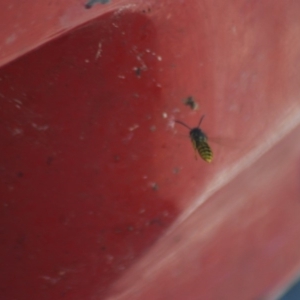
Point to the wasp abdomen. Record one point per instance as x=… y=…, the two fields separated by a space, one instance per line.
x=204 y=151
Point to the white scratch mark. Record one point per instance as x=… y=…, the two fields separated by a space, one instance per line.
x=52 y=280
x=125 y=7
x=11 y=39
x=18 y=101
x=142 y=63
x=171 y=123
x=99 y=51
x=17 y=131
x=40 y=127
x=133 y=127
x=128 y=138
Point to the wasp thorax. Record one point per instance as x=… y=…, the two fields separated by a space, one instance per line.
x=197 y=134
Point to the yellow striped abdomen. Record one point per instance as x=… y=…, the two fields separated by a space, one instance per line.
x=204 y=150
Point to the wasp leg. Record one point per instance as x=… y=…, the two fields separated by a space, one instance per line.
x=195 y=149
x=196 y=157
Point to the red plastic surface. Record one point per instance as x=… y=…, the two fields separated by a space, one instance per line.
x=101 y=195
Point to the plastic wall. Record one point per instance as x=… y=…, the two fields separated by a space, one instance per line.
x=101 y=195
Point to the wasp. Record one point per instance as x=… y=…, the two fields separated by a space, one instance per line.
x=199 y=141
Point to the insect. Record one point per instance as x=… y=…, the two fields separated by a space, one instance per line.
x=199 y=141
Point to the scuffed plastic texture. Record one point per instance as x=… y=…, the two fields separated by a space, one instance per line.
x=101 y=195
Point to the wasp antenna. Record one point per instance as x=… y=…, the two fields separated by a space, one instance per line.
x=201 y=121
x=179 y=122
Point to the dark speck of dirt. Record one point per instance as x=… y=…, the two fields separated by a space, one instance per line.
x=145 y=11
x=189 y=101
x=91 y=3
x=155 y=186
x=20 y=174
x=138 y=72
x=156 y=221
x=176 y=170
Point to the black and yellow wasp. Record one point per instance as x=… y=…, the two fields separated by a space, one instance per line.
x=199 y=141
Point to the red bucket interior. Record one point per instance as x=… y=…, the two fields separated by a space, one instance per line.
x=102 y=197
